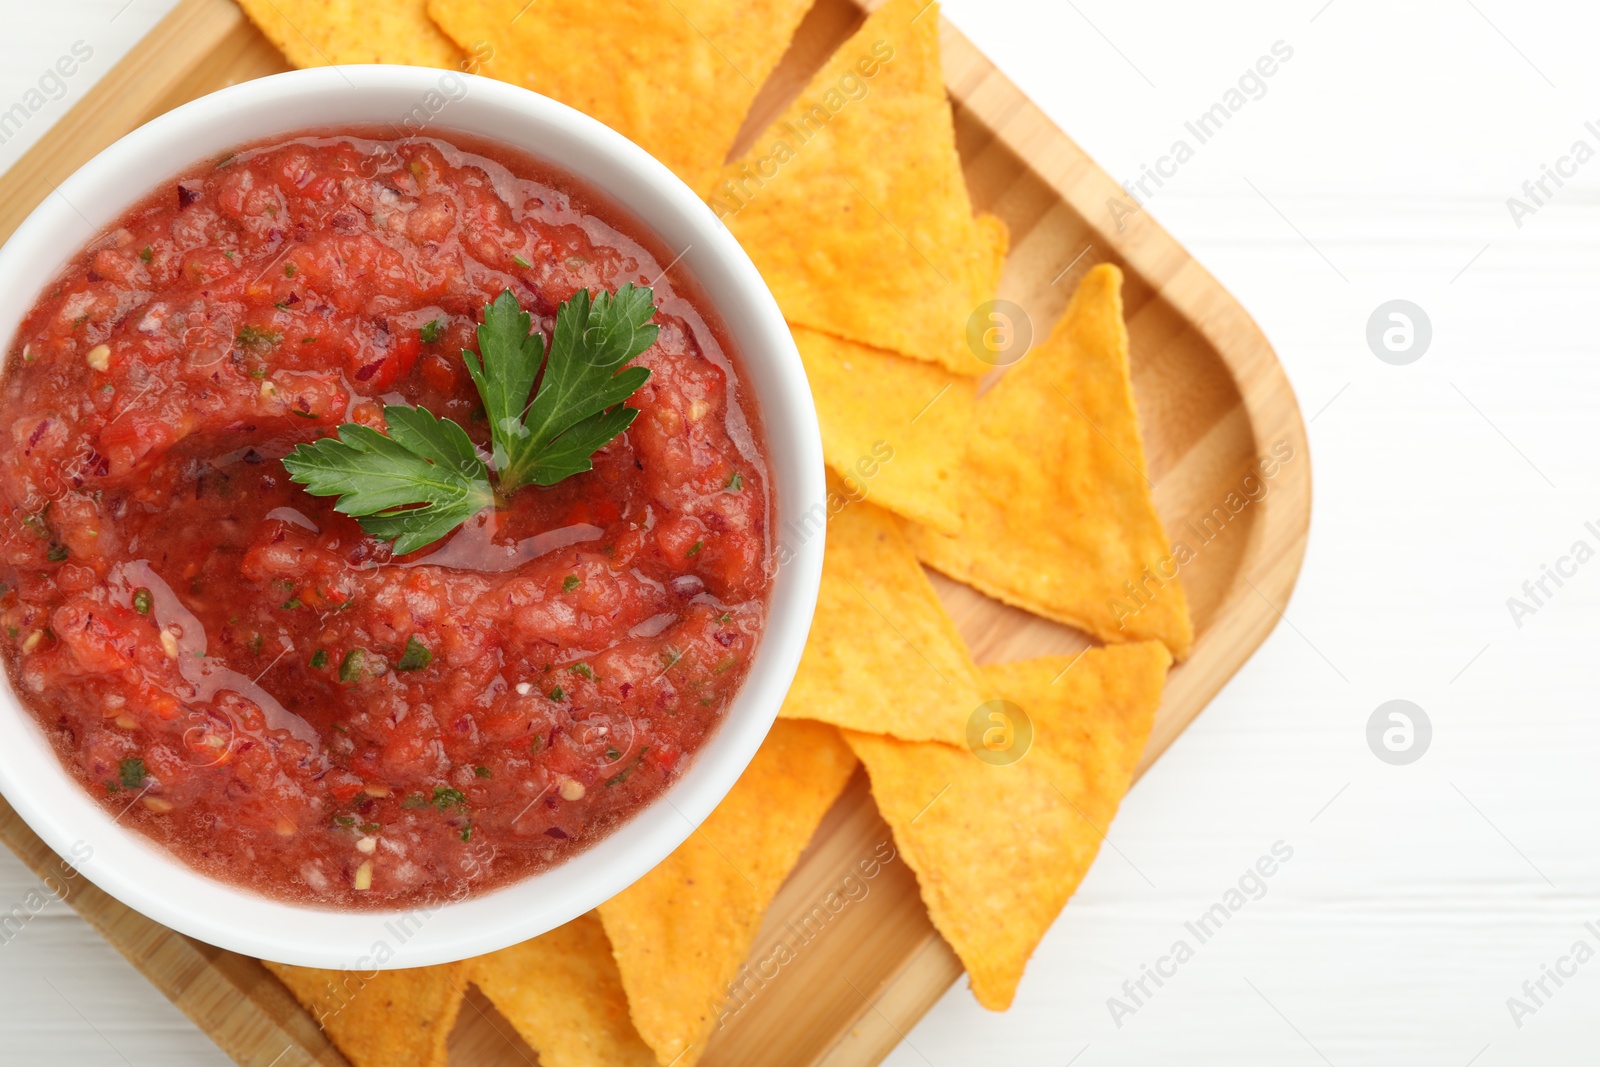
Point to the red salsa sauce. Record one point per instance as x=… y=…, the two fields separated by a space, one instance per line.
x=241 y=673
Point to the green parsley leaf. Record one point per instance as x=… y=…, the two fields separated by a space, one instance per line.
x=415 y=657
x=445 y=798
x=143 y=601
x=429 y=331
x=482 y=772
x=622 y=775
x=146 y=254
x=354 y=662
x=256 y=339
x=519 y=261
x=412 y=487
x=570 y=582
x=319 y=659
x=56 y=553
x=735 y=482
x=36 y=523
x=578 y=407
x=422 y=479
x=132 y=773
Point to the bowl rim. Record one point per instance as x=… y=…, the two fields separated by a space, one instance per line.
x=142 y=874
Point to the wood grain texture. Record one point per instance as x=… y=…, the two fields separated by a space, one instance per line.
x=1212 y=399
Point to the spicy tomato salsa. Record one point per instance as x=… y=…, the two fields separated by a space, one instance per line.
x=239 y=671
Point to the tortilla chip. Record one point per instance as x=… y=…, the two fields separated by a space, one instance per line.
x=995 y=241
x=391 y=1018
x=675 y=76
x=681 y=932
x=892 y=428
x=853 y=205
x=1056 y=508
x=882 y=657
x=563 y=994
x=317 y=33
x=999 y=849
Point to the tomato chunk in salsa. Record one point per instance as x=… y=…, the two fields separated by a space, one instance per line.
x=244 y=675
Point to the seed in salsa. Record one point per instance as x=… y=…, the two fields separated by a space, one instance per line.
x=269 y=690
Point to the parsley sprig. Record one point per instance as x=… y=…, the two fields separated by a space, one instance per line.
x=424 y=478
x=578 y=406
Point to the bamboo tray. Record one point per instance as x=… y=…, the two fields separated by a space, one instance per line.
x=1212 y=397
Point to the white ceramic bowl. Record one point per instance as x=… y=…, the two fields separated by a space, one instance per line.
x=147 y=878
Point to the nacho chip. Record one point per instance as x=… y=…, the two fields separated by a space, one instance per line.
x=1056 y=508
x=680 y=933
x=892 y=428
x=882 y=657
x=675 y=76
x=998 y=848
x=853 y=205
x=563 y=994
x=390 y=1018
x=994 y=238
x=316 y=33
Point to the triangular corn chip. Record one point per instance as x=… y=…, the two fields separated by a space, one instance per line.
x=853 y=205
x=998 y=848
x=882 y=657
x=680 y=933
x=316 y=33
x=994 y=241
x=1057 y=517
x=892 y=428
x=675 y=76
x=563 y=994
x=384 y=1019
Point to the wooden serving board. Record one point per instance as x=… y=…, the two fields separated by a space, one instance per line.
x=1213 y=400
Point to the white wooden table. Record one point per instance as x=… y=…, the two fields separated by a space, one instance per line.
x=1375 y=166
